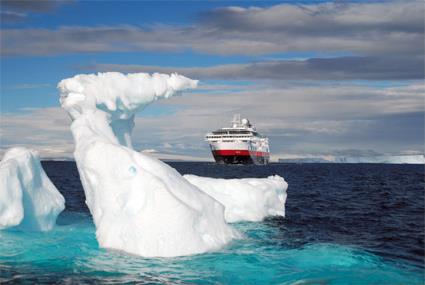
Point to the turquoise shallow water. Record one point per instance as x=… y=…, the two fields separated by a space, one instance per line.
x=70 y=254
x=344 y=224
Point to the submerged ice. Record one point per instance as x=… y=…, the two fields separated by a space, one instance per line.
x=249 y=199
x=139 y=204
x=28 y=199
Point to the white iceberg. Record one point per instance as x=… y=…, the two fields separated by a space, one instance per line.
x=28 y=199
x=379 y=158
x=387 y=159
x=139 y=204
x=248 y=199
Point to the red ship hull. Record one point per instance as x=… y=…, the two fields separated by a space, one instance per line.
x=240 y=157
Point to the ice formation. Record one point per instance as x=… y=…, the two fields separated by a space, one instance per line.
x=389 y=159
x=386 y=159
x=28 y=199
x=249 y=199
x=139 y=204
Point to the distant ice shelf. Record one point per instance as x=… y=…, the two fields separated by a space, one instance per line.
x=386 y=159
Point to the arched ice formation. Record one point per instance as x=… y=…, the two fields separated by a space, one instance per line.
x=139 y=204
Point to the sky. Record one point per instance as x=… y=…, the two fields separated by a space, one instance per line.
x=317 y=77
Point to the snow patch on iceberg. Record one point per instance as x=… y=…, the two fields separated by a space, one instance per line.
x=28 y=199
x=139 y=204
x=248 y=199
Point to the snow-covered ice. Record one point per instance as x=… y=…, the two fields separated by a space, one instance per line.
x=139 y=204
x=249 y=199
x=28 y=199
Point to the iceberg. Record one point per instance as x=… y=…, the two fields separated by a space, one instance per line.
x=28 y=199
x=384 y=159
x=139 y=204
x=248 y=199
x=387 y=159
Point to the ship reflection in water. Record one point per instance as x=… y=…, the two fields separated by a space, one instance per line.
x=239 y=144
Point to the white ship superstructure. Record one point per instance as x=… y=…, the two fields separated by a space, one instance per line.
x=239 y=144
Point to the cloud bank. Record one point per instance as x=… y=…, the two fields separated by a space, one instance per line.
x=13 y=11
x=340 y=68
x=362 y=28
x=298 y=119
x=303 y=69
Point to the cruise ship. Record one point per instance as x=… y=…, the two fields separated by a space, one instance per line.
x=239 y=144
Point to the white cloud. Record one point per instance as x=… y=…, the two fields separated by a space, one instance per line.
x=45 y=129
x=297 y=118
x=361 y=28
x=337 y=68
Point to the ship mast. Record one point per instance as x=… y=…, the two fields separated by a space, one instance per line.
x=236 y=120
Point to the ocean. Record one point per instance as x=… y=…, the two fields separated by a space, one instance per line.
x=344 y=224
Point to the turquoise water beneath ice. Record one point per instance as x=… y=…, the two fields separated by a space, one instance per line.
x=70 y=254
x=344 y=224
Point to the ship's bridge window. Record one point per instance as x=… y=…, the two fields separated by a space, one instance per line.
x=239 y=132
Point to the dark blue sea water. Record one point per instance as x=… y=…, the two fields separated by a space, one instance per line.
x=344 y=224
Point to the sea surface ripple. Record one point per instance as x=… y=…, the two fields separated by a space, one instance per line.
x=344 y=224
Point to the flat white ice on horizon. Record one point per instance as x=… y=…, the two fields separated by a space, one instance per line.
x=139 y=204
x=249 y=199
x=389 y=159
x=386 y=159
x=28 y=199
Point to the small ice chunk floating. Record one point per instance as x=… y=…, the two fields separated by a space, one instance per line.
x=28 y=199
x=247 y=199
x=139 y=204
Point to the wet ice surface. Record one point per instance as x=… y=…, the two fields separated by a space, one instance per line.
x=345 y=224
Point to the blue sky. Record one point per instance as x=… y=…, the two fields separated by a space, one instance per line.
x=327 y=75
x=44 y=72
